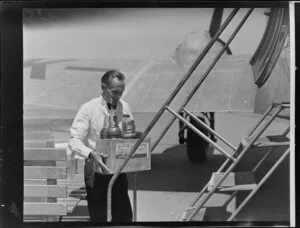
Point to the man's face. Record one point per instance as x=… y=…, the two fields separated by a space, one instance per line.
x=113 y=91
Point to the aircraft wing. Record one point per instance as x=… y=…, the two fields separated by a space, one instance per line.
x=229 y=87
x=64 y=85
x=56 y=88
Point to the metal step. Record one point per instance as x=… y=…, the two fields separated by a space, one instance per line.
x=268 y=141
x=235 y=181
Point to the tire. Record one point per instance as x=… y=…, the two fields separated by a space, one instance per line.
x=182 y=130
x=197 y=147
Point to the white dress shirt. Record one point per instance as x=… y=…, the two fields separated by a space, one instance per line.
x=89 y=121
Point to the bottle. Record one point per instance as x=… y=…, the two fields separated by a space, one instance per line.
x=128 y=127
x=113 y=130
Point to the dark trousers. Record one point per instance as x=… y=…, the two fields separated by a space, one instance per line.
x=97 y=198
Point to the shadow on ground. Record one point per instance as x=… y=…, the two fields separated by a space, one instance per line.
x=172 y=171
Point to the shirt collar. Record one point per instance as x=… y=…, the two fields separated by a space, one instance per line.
x=104 y=103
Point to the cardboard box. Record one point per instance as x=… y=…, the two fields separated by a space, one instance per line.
x=119 y=149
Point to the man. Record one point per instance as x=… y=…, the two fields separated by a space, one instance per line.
x=85 y=131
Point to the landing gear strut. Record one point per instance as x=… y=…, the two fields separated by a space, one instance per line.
x=197 y=147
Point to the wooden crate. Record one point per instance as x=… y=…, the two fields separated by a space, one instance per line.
x=119 y=149
x=40 y=184
x=44 y=166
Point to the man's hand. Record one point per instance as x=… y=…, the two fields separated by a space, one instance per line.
x=99 y=158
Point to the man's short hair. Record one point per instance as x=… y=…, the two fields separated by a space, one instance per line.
x=109 y=75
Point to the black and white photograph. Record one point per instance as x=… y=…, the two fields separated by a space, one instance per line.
x=157 y=114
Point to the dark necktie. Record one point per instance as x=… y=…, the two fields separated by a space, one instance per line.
x=110 y=106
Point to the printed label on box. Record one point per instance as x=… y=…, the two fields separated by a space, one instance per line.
x=123 y=150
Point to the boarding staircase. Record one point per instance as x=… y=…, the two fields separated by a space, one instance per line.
x=225 y=180
x=225 y=174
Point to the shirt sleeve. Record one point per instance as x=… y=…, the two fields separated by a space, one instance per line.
x=79 y=131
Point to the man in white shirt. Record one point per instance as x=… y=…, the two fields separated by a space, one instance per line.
x=85 y=131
